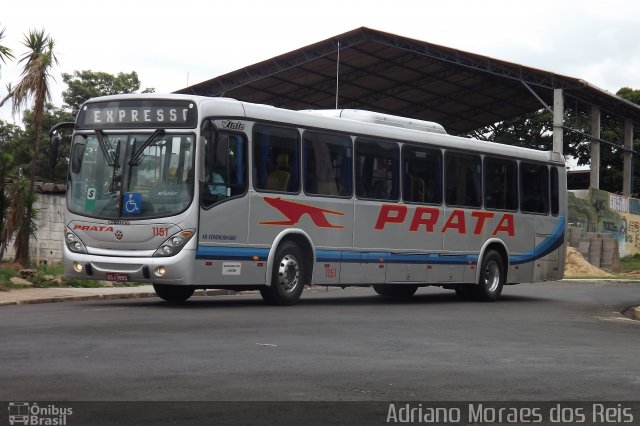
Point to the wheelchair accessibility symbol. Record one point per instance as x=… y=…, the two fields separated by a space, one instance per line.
x=132 y=203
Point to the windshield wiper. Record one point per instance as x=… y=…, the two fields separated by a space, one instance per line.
x=116 y=167
x=104 y=148
x=136 y=156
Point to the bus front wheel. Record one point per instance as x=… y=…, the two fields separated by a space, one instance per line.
x=173 y=293
x=287 y=276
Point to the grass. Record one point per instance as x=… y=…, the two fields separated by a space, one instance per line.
x=630 y=263
x=42 y=278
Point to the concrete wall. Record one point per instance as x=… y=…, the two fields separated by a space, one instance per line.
x=50 y=234
x=600 y=212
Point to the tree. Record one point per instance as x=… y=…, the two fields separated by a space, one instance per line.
x=50 y=117
x=5 y=52
x=34 y=83
x=14 y=225
x=11 y=152
x=84 y=85
x=534 y=130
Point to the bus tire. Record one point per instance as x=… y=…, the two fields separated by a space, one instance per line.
x=492 y=277
x=396 y=290
x=173 y=293
x=287 y=276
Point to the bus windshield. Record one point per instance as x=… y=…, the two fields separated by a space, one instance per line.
x=131 y=175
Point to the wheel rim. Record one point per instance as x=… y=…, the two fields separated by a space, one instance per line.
x=288 y=273
x=492 y=276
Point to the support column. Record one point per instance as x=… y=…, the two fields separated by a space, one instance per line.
x=628 y=157
x=594 y=181
x=558 y=119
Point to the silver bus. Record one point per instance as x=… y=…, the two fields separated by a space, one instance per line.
x=189 y=192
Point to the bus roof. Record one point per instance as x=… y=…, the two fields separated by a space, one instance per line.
x=357 y=122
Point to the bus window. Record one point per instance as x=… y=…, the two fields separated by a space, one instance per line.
x=534 y=188
x=225 y=167
x=422 y=175
x=377 y=170
x=327 y=164
x=463 y=179
x=500 y=184
x=555 y=192
x=276 y=153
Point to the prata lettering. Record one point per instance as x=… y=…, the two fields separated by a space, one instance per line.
x=97 y=228
x=427 y=218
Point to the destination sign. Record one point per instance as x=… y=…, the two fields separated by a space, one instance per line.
x=138 y=114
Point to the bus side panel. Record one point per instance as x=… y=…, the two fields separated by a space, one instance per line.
x=399 y=230
x=521 y=247
x=549 y=232
x=327 y=221
x=406 y=272
x=222 y=257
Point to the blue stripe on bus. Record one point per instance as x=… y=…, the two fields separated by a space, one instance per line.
x=551 y=243
x=231 y=253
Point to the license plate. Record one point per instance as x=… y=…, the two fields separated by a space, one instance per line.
x=117 y=276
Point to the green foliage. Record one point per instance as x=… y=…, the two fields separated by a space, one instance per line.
x=51 y=116
x=630 y=263
x=16 y=224
x=5 y=52
x=629 y=94
x=84 y=85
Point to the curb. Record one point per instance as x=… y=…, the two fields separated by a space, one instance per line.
x=107 y=296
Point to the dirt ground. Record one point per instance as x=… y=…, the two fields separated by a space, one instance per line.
x=577 y=266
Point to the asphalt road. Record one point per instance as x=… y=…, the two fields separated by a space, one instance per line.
x=555 y=341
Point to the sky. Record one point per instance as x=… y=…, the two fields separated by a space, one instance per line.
x=173 y=44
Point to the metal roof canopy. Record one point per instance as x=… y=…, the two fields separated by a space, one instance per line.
x=387 y=73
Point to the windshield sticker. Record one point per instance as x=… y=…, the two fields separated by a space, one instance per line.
x=90 y=203
x=132 y=203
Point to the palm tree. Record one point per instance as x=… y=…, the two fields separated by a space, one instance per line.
x=13 y=227
x=34 y=83
x=5 y=52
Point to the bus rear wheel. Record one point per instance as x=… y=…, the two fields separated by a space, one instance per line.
x=399 y=290
x=492 y=277
x=287 y=276
x=173 y=293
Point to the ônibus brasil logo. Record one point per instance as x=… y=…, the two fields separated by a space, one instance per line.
x=27 y=413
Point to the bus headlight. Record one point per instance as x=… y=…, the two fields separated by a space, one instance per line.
x=73 y=243
x=173 y=244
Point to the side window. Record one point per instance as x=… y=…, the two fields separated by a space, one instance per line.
x=534 y=188
x=463 y=179
x=225 y=167
x=276 y=159
x=421 y=174
x=327 y=164
x=500 y=184
x=555 y=191
x=377 y=173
